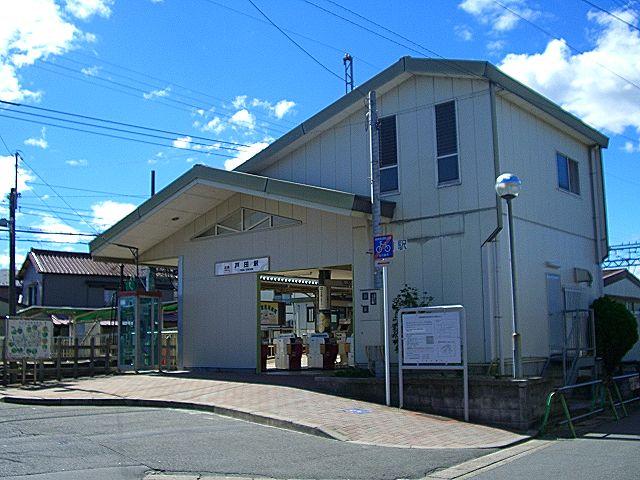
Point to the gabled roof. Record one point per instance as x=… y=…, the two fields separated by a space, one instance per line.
x=402 y=70
x=71 y=263
x=614 y=275
x=198 y=190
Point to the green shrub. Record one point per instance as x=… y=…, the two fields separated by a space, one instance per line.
x=616 y=332
x=408 y=297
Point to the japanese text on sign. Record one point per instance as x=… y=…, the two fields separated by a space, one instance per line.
x=431 y=338
x=383 y=247
x=242 y=266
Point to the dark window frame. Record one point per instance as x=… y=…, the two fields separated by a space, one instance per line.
x=389 y=166
x=449 y=155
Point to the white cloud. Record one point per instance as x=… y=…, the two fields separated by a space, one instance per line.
x=488 y=12
x=4 y=260
x=283 y=107
x=182 y=142
x=243 y=118
x=84 y=9
x=49 y=223
x=39 y=142
x=90 y=71
x=157 y=93
x=214 y=125
x=463 y=32
x=108 y=212
x=629 y=147
x=495 y=46
x=246 y=153
x=240 y=101
x=30 y=30
x=7 y=176
x=580 y=84
x=77 y=163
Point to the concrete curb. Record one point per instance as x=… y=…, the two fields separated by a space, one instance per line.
x=133 y=402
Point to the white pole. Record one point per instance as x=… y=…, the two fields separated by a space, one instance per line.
x=400 y=360
x=387 y=372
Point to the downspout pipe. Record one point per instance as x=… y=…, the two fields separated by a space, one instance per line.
x=496 y=343
x=496 y=161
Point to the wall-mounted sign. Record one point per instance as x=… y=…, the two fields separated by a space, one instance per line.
x=383 y=248
x=29 y=339
x=247 y=265
x=271 y=313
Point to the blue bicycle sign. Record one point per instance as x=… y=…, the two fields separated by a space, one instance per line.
x=382 y=247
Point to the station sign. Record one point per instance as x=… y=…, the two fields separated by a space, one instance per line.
x=246 y=265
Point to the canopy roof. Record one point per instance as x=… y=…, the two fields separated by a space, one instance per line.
x=201 y=189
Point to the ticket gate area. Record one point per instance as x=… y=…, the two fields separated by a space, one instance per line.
x=139 y=327
x=306 y=319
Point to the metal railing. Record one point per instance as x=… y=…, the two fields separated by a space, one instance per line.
x=601 y=396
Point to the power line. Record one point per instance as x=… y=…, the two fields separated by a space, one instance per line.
x=44 y=232
x=180 y=105
x=60 y=196
x=611 y=14
x=297 y=34
x=104 y=127
x=92 y=191
x=40 y=240
x=162 y=84
x=440 y=58
x=306 y=52
x=114 y=122
x=118 y=137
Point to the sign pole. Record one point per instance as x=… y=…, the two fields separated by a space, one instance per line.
x=387 y=353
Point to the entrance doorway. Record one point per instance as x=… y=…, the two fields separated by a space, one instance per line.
x=306 y=319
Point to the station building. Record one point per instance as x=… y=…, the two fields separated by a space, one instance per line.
x=293 y=224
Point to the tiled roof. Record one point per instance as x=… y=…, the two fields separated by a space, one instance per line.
x=73 y=263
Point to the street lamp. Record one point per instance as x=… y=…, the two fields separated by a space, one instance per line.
x=508 y=188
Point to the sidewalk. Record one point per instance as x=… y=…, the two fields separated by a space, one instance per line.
x=286 y=407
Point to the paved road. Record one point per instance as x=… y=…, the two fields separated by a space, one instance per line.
x=123 y=443
x=611 y=450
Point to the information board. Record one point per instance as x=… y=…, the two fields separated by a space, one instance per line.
x=29 y=339
x=431 y=338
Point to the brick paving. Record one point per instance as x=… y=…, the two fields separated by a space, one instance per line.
x=341 y=418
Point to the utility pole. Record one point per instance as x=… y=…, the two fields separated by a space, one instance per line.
x=153 y=182
x=375 y=182
x=13 y=205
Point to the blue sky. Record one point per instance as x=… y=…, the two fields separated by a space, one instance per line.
x=218 y=69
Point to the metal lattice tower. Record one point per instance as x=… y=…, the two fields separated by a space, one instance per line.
x=625 y=255
x=347 y=60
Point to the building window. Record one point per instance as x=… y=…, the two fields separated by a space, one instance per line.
x=447 y=143
x=568 y=174
x=32 y=294
x=388 y=155
x=248 y=220
x=109 y=297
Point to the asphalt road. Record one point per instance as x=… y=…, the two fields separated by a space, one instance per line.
x=126 y=443
x=610 y=450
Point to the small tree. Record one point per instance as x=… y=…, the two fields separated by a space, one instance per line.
x=407 y=298
x=616 y=332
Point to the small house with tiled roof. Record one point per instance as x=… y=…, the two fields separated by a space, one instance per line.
x=69 y=279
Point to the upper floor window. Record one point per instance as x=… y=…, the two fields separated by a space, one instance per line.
x=447 y=143
x=246 y=220
x=388 y=155
x=568 y=174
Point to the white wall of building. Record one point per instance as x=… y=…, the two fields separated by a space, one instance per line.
x=220 y=312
